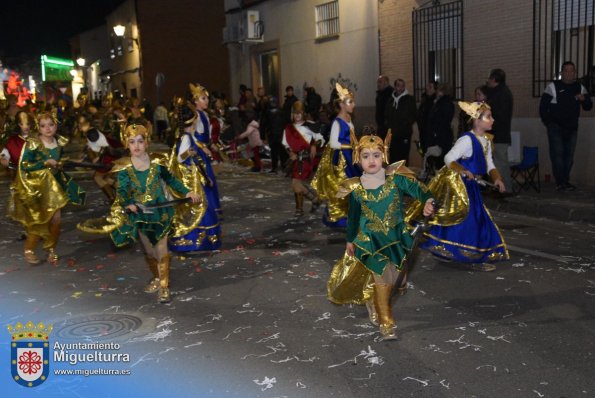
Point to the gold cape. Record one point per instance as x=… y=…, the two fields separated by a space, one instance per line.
x=350 y=281
x=37 y=195
x=450 y=193
x=187 y=216
x=326 y=182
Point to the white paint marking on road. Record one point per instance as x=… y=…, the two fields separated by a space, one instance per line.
x=537 y=253
x=424 y=383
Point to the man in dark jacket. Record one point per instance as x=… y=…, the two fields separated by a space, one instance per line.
x=383 y=96
x=290 y=98
x=400 y=114
x=313 y=103
x=500 y=100
x=438 y=130
x=559 y=110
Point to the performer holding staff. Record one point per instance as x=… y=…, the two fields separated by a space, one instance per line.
x=464 y=230
x=377 y=236
x=336 y=163
x=139 y=182
x=41 y=189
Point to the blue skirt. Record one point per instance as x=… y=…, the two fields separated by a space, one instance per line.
x=475 y=240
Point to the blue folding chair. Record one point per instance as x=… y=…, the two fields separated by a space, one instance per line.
x=525 y=175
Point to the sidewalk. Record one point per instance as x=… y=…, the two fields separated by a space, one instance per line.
x=563 y=206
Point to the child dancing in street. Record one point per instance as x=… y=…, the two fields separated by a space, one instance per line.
x=41 y=189
x=252 y=133
x=139 y=181
x=376 y=232
x=467 y=234
x=300 y=143
x=336 y=163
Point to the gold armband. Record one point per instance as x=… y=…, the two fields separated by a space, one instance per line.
x=455 y=166
x=495 y=175
x=185 y=155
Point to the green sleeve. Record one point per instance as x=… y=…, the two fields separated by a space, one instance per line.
x=123 y=188
x=413 y=188
x=172 y=181
x=30 y=161
x=353 y=216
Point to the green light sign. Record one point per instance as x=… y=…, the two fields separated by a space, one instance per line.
x=56 y=69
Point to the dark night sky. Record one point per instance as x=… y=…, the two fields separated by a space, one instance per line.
x=30 y=28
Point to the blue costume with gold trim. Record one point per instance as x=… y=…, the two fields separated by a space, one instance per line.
x=474 y=237
x=195 y=170
x=336 y=165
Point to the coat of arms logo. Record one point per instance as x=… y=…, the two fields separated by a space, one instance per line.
x=29 y=353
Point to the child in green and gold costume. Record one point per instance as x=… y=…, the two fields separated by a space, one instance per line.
x=41 y=189
x=139 y=181
x=377 y=235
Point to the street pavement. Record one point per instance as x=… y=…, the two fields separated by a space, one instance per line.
x=252 y=320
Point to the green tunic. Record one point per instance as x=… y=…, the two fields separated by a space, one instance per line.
x=375 y=223
x=145 y=187
x=33 y=159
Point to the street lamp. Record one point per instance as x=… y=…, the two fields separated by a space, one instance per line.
x=119 y=30
x=80 y=61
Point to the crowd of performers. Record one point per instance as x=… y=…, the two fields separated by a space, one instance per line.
x=170 y=202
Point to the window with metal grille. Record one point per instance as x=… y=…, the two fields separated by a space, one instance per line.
x=563 y=31
x=438 y=47
x=327 y=19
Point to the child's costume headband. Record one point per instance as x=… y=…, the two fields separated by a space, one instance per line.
x=132 y=130
x=369 y=142
x=198 y=91
x=474 y=109
x=344 y=93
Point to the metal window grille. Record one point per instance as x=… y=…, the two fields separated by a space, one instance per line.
x=438 y=47
x=562 y=31
x=327 y=19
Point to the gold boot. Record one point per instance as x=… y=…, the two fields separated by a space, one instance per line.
x=52 y=242
x=382 y=293
x=163 y=266
x=52 y=256
x=109 y=191
x=153 y=285
x=299 y=204
x=313 y=197
x=372 y=314
x=30 y=245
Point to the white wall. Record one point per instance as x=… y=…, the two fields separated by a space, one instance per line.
x=354 y=54
x=533 y=133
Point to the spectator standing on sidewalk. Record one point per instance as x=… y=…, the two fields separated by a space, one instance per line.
x=290 y=98
x=384 y=92
x=400 y=116
x=559 y=110
x=161 y=121
x=499 y=97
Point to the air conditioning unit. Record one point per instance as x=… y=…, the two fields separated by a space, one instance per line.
x=251 y=28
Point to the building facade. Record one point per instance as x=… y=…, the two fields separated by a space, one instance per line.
x=273 y=44
x=158 y=48
x=460 y=41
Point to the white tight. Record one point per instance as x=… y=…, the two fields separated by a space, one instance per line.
x=389 y=276
x=158 y=251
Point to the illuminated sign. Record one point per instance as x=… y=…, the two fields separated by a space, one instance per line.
x=56 y=69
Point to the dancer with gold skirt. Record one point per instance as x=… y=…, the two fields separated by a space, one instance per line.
x=140 y=180
x=377 y=236
x=465 y=231
x=336 y=164
x=187 y=164
x=41 y=189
